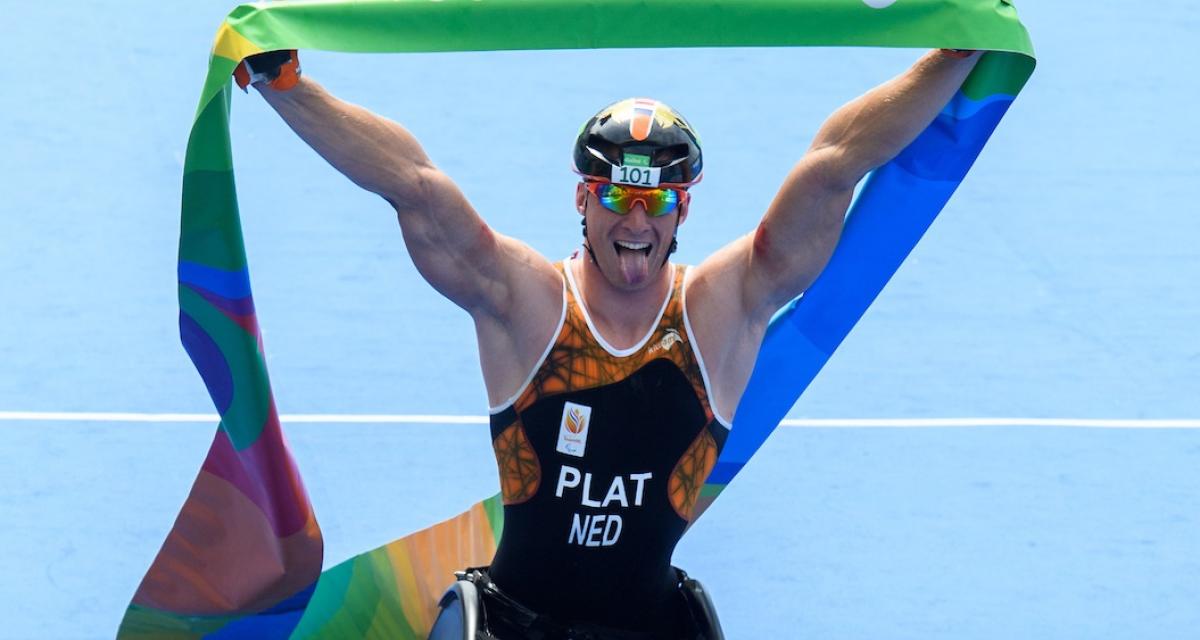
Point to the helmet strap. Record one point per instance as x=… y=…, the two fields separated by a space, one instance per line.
x=674 y=243
x=587 y=242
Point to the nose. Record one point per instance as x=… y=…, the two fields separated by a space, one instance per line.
x=637 y=218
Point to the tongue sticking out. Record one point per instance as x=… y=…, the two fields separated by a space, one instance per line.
x=635 y=264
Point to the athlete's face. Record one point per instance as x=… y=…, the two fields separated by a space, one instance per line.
x=630 y=248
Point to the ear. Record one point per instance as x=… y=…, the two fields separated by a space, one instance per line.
x=683 y=207
x=580 y=197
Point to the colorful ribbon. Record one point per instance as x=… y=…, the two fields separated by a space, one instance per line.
x=244 y=557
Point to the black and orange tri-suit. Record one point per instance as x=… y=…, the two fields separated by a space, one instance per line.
x=602 y=455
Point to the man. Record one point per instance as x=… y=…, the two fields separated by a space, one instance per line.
x=614 y=375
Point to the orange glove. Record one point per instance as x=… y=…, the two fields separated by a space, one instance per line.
x=280 y=70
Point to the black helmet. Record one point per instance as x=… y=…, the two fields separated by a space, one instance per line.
x=641 y=142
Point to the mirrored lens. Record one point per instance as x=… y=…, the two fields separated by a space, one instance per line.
x=621 y=199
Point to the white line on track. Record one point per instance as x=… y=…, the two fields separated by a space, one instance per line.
x=211 y=418
x=836 y=423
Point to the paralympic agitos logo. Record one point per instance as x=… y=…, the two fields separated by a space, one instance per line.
x=575 y=420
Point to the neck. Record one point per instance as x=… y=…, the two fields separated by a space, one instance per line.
x=623 y=316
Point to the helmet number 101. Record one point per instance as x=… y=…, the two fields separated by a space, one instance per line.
x=639 y=176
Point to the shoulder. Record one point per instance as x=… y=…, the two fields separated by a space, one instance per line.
x=524 y=281
x=722 y=279
x=513 y=341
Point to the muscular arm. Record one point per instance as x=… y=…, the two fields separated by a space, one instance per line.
x=758 y=273
x=796 y=237
x=451 y=245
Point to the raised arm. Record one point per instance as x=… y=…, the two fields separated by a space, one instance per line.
x=796 y=237
x=734 y=293
x=513 y=294
x=450 y=244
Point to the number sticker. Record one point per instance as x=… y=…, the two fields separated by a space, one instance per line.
x=637 y=176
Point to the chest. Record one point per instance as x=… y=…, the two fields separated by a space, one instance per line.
x=635 y=423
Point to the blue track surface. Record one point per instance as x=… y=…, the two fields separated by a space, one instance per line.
x=1060 y=282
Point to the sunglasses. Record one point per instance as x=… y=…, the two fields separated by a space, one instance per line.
x=620 y=199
